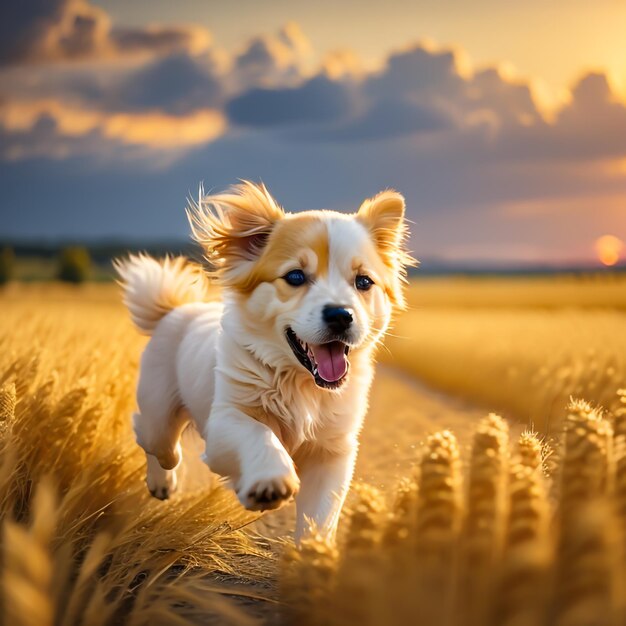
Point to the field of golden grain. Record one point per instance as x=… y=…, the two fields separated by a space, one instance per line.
x=455 y=517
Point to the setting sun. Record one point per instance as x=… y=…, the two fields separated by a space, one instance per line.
x=609 y=249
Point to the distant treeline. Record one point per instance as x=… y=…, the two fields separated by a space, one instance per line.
x=102 y=252
x=78 y=261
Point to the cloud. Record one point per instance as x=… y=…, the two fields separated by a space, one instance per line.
x=160 y=39
x=418 y=71
x=24 y=27
x=595 y=115
x=119 y=140
x=145 y=116
x=419 y=90
x=51 y=30
x=52 y=129
x=318 y=100
x=178 y=84
x=392 y=117
x=433 y=81
x=268 y=60
x=510 y=100
x=590 y=128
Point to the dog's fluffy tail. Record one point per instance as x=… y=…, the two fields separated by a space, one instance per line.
x=152 y=288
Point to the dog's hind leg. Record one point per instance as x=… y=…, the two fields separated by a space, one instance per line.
x=161 y=482
x=160 y=439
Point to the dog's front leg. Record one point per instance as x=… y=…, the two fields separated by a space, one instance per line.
x=325 y=481
x=251 y=454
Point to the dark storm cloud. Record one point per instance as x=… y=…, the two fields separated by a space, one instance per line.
x=417 y=70
x=272 y=59
x=44 y=140
x=591 y=127
x=319 y=100
x=511 y=101
x=464 y=147
x=388 y=118
x=177 y=84
x=160 y=40
x=432 y=82
x=23 y=25
x=45 y=30
x=257 y=57
x=418 y=91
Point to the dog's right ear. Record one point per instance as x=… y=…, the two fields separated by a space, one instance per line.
x=234 y=227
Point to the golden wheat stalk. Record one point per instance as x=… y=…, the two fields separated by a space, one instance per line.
x=590 y=581
x=394 y=597
x=361 y=560
x=487 y=507
x=534 y=451
x=522 y=589
x=28 y=570
x=8 y=400
x=487 y=492
x=364 y=530
x=307 y=579
x=439 y=499
x=619 y=415
x=587 y=468
x=439 y=519
x=400 y=527
x=619 y=446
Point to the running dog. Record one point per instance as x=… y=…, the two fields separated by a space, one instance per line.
x=276 y=376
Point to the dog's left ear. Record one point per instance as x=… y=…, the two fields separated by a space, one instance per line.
x=383 y=216
x=233 y=228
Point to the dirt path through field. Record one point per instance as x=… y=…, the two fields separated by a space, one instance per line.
x=403 y=412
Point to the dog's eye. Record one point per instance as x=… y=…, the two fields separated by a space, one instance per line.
x=363 y=282
x=295 y=278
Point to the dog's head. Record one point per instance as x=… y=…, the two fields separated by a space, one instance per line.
x=320 y=284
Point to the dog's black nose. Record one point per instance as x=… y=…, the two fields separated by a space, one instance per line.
x=337 y=318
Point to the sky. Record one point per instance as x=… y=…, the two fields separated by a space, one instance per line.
x=503 y=124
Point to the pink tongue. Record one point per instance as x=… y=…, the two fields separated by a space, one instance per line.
x=331 y=360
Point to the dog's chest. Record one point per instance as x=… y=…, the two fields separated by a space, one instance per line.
x=305 y=417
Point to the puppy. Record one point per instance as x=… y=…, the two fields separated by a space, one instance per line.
x=276 y=377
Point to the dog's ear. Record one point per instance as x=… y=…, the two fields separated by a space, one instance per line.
x=383 y=216
x=234 y=227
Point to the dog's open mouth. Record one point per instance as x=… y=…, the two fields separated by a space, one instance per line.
x=327 y=362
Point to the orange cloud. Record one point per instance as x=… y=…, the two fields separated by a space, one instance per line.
x=160 y=131
x=154 y=130
x=343 y=63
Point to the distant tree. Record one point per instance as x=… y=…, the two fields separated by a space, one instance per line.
x=7 y=265
x=74 y=265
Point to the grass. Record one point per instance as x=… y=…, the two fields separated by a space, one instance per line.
x=521 y=346
x=602 y=289
x=513 y=545
x=82 y=539
x=509 y=532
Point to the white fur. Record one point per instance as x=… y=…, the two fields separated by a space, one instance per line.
x=228 y=367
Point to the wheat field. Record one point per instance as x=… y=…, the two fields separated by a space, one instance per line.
x=454 y=518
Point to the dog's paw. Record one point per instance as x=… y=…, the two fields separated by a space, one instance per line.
x=268 y=493
x=162 y=486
